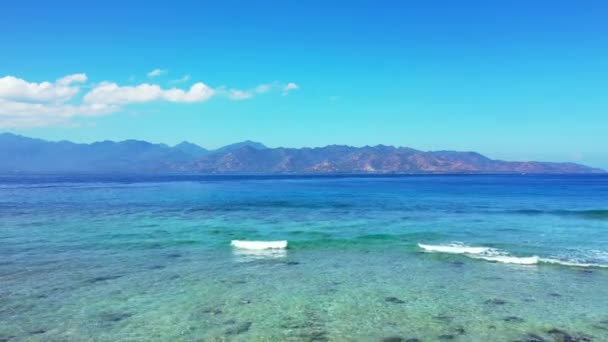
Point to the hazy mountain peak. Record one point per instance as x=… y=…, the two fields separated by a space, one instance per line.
x=28 y=155
x=191 y=149
x=247 y=143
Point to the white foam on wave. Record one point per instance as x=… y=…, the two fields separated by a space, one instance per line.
x=484 y=253
x=259 y=245
x=496 y=255
x=455 y=248
x=247 y=255
x=571 y=263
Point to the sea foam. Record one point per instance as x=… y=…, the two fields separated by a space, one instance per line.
x=496 y=255
x=259 y=245
x=484 y=253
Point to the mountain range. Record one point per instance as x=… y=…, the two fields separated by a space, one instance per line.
x=19 y=154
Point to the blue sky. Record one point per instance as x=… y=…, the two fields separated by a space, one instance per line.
x=517 y=80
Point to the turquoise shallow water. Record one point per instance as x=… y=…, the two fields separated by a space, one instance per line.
x=149 y=258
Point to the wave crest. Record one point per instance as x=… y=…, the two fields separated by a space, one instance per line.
x=496 y=255
x=259 y=245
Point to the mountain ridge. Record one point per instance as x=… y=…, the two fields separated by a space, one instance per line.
x=20 y=154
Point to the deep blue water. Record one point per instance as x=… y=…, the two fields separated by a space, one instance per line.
x=149 y=257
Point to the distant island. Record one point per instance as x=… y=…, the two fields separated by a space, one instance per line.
x=19 y=154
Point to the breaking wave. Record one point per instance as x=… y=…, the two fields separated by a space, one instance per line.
x=259 y=245
x=496 y=255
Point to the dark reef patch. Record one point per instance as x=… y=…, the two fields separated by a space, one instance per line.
x=559 y=335
x=393 y=339
x=114 y=317
x=460 y=331
x=37 y=332
x=103 y=278
x=513 y=319
x=496 y=301
x=393 y=300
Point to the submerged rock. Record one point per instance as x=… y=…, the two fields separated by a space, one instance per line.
x=513 y=319
x=563 y=336
x=460 y=331
x=37 y=332
x=104 y=278
x=393 y=339
x=394 y=300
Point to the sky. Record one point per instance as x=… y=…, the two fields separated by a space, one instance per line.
x=514 y=80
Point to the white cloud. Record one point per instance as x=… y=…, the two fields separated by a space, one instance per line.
x=31 y=104
x=237 y=95
x=186 y=78
x=263 y=88
x=13 y=88
x=156 y=72
x=289 y=87
x=26 y=114
x=112 y=93
x=69 y=79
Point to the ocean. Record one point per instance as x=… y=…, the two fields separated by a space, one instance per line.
x=369 y=258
